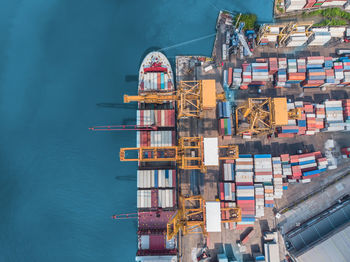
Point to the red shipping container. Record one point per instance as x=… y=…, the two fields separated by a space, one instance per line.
x=229 y=81
x=154 y=198
x=266 y=173
x=222 y=193
x=157 y=242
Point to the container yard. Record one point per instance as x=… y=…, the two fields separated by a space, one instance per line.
x=236 y=147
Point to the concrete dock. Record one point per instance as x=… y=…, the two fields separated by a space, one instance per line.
x=191 y=68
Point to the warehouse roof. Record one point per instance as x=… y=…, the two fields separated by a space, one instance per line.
x=280 y=110
x=335 y=248
x=213 y=216
x=319 y=229
x=208 y=93
x=211 y=151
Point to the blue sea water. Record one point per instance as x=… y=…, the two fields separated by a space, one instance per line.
x=64 y=66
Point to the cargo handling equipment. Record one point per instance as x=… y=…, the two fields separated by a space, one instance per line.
x=189 y=154
x=190 y=217
x=260 y=116
x=192 y=97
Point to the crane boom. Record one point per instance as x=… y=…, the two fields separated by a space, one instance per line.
x=124 y=127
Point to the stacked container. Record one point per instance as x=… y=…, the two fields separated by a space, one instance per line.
x=286 y=167
x=156 y=178
x=224 y=113
x=246 y=201
x=310 y=165
x=292 y=66
x=273 y=65
x=155 y=81
x=259 y=200
x=156 y=198
x=334 y=116
x=244 y=186
x=320 y=38
x=330 y=78
x=281 y=78
x=155 y=138
x=262 y=168
x=309 y=4
x=225 y=78
x=260 y=72
x=301 y=63
x=299 y=38
x=269 y=195
x=230 y=77
x=293 y=5
x=277 y=177
x=227 y=190
x=346 y=152
x=159 y=118
x=327 y=3
x=237 y=77
x=338 y=72
x=247 y=75
x=337 y=31
x=346 y=113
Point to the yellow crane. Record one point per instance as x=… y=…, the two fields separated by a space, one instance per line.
x=192 y=97
x=189 y=154
x=284 y=31
x=262 y=115
x=190 y=218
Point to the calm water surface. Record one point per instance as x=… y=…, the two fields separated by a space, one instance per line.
x=64 y=66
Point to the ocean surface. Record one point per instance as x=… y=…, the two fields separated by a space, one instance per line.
x=64 y=66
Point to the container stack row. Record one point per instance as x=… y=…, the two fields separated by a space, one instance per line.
x=259 y=200
x=156 y=178
x=156 y=81
x=277 y=177
x=320 y=37
x=237 y=77
x=158 y=118
x=309 y=72
x=260 y=73
x=155 y=138
x=334 y=116
x=306 y=166
x=296 y=5
x=155 y=243
x=224 y=118
x=262 y=168
x=246 y=75
x=325 y=117
x=242 y=186
x=156 y=198
x=245 y=190
x=346 y=111
x=269 y=197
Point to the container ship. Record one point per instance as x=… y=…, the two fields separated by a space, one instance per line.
x=156 y=181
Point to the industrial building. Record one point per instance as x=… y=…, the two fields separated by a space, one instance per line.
x=325 y=237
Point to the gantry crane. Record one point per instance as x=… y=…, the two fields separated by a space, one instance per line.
x=192 y=97
x=262 y=115
x=189 y=154
x=284 y=31
x=292 y=28
x=190 y=218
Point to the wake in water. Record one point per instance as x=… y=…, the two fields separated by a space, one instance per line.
x=187 y=42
